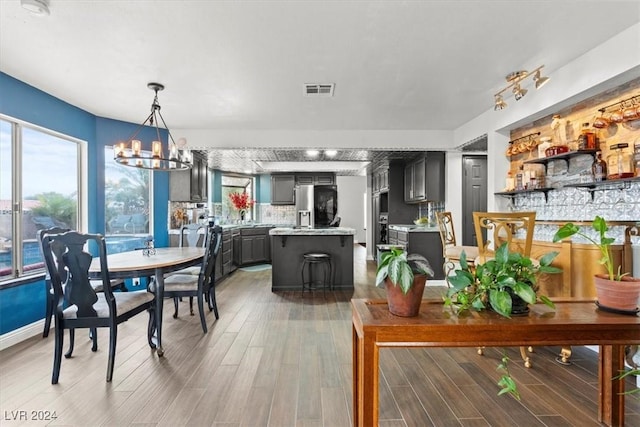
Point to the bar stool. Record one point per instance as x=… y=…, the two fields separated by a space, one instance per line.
x=320 y=259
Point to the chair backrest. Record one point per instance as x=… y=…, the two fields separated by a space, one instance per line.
x=214 y=242
x=191 y=234
x=513 y=228
x=69 y=262
x=40 y=236
x=447 y=233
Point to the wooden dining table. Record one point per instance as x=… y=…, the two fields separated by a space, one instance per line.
x=131 y=264
x=571 y=323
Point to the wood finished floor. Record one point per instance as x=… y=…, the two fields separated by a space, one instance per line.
x=284 y=360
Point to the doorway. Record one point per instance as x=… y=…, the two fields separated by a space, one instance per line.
x=474 y=194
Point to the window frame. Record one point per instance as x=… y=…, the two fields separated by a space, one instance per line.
x=18 y=273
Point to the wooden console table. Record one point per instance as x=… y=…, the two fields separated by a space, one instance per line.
x=572 y=323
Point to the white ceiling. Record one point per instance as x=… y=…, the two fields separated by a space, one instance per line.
x=242 y=65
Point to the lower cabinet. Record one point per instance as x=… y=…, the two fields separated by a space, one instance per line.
x=252 y=246
x=426 y=244
x=225 y=261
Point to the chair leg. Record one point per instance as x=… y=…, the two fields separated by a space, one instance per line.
x=525 y=357
x=72 y=339
x=175 y=304
x=203 y=321
x=191 y=305
x=57 y=353
x=113 y=337
x=212 y=301
x=93 y=334
x=48 y=315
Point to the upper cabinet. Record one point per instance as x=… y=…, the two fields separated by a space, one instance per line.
x=424 y=178
x=315 y=178
x=190 y=185
x=282 y=189
x=380 y=180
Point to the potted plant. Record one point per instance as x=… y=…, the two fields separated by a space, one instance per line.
x=404 y=277
x=615 y=290
x=506 y=284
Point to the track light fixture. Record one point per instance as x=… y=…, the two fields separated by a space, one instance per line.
x=513 y=82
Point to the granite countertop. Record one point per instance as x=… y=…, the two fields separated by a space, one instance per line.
x=233 y=227
x=331 y=231
x=412 y=228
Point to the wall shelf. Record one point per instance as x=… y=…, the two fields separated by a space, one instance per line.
x=513 y=194
x=564 y=156
x=612 y=184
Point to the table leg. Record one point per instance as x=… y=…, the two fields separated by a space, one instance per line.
x=357 y=389
x=611 y=399
x=159 y=307
x=369 y=396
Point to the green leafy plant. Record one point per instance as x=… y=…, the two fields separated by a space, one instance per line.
x=625 y=374
x=400 y=268
x=494 y=285
x=604 y=244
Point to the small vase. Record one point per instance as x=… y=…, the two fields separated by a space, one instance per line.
x=406 y=305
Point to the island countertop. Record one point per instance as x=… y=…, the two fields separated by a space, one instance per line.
x=331 y=231
x=411 y=228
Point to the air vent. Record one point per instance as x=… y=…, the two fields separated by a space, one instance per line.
x=318 y=89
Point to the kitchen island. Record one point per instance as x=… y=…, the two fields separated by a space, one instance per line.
x=288 y=245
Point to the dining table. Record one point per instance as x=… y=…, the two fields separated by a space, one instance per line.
x=152 y=264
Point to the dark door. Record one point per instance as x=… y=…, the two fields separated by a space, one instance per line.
x=325 y=203
x=474 y=195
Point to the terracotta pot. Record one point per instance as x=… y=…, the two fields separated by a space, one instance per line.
x=622 y=295
x=406 y=305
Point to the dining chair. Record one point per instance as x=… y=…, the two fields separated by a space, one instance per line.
x=77 y=304
x=201 y=286
x=50 y=300
x=451 y=251
x=190 y=236
x=494 y=229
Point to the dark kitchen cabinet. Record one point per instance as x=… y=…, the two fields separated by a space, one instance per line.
x=283 y=189
x=380 y=180
x=427 y=244
x=315 y=178
x=424 y=178
x=190 y=185
x=253 y=246
x=225 y=261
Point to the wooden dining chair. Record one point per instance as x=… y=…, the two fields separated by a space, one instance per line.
x=77 y=304
x=451 y=251
x=493 y=229
x=50 y=300
x=201 y=286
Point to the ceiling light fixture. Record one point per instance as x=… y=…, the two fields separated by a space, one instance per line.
x=312 y=153
x=131 y=153
x=37 y=7
x=330 y=153
x=513 y=81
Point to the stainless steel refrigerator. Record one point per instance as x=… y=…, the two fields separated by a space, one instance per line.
x=316 y=206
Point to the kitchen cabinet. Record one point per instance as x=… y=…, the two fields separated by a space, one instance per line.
x=380 y=180
x=252 y=245
x=282 y=189
x=315 y=178
x=225 y=261
x=190 y=185
x=427 y=244
x=424 y=178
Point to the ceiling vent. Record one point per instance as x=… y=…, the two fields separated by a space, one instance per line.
x=318 y=89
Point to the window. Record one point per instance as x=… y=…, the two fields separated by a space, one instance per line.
x=36 y=192
x=237 y=184
x=127 y=205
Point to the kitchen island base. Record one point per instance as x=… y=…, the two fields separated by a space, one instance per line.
x=288 y=247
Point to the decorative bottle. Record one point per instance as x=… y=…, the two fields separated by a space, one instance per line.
x=599 y=168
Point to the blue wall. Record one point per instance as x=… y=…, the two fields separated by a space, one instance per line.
x=24 y=304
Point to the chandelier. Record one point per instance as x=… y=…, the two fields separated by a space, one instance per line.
x=131 y=153
x=514 y=79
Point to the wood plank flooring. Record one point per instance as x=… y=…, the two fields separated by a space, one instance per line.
x=285 y=360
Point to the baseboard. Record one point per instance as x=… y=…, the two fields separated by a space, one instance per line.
x=18 y=335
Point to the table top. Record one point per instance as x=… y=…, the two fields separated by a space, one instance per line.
x=571 y=323
x=163 y=258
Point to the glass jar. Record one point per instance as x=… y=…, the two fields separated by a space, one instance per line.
x=619 y=162
x=587 y=139
x=599 y=168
